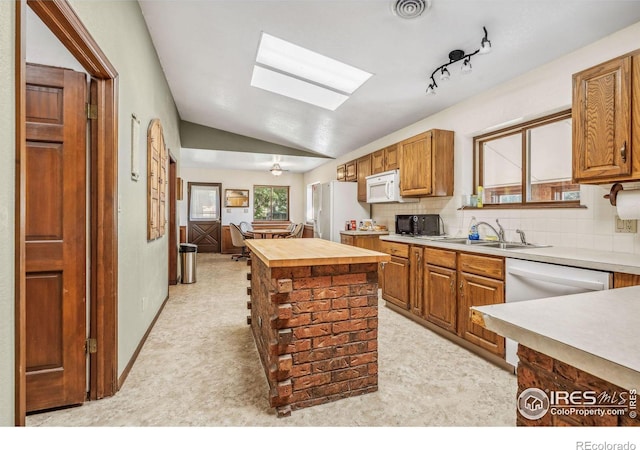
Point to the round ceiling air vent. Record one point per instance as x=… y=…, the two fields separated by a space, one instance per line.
x=409 y=9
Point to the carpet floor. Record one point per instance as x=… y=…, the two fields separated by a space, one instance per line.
x=200 y=368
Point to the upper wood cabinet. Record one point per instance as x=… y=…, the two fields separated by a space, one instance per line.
x=602 y=101
x=426 y=164
x=351 y=171
x=385 y=159
x=606 y=122
x=341 y=174
x=363 y=170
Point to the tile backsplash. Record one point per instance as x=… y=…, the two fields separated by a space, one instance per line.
x=592 y=226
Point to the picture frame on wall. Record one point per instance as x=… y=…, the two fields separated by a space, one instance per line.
x=236 y=198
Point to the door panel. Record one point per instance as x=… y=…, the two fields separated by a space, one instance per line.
x=55 y=243
x=204 y=216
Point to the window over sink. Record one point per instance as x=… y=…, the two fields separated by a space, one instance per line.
x=527 y=165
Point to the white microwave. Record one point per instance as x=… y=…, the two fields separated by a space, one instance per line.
x=385 y=188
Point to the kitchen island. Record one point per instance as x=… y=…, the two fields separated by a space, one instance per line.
x=314 y=318
x=579 y=360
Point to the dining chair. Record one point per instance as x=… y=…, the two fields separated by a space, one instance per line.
x=237 y=239
x=246 y=229
x=297 y=231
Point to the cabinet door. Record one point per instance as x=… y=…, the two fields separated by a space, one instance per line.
x=363 y=170
x=377 y=162
x=602 y=121
x=415 y=175
x=477 y=291
x=396 y=282
x=370 y=242
x=351 y=171
x=415 y=280
x=346 y=239
x=341 y=172
x=440 y=296
x=391 y=160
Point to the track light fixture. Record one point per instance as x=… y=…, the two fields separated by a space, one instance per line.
x=454 y=57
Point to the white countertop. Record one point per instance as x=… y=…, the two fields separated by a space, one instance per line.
x=597 y=332
x=364 y=232
x=568 y=256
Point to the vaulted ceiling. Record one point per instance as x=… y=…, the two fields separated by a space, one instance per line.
x=208 y=51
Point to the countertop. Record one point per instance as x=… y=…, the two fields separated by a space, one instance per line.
x=568 y=256
x=310 y=252
x=596 y=332
x=364 y=232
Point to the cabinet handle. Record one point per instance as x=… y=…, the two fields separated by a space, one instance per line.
x=453 y=287
x=461 y=286
x=623 y=152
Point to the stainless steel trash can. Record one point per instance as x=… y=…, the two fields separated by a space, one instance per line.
x=188 y=254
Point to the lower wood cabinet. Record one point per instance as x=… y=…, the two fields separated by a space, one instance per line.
x=441 y=285
x=440 y=296
x=415 y=280
x=396 y=282
x=477 y=290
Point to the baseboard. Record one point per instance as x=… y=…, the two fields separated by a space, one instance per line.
x=492 y=358
x=134 y=357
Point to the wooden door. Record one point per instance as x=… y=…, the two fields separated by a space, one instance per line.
x=415 y=280
x=477 y=291
x=377 y=162
x=204 y=226
x=173 y=226
x=341 y=172
x=415 y=176
x=55 y=237
x=363 y=170
x=351 y=171
x=440 y=296
x=396 y=282
x=391 y=160
x=602 y=121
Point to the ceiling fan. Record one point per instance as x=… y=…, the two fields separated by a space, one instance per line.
x=276 y=170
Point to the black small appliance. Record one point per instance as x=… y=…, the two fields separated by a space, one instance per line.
x=418 y=224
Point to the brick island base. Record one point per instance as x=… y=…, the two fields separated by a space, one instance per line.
x=537 y=370
x=316 y=330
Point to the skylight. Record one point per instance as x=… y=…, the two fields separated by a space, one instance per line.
x=293 y=71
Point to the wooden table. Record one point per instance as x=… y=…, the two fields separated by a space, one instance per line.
x=314 y=318
x=268 y=233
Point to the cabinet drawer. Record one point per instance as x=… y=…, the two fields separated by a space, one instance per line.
x=481 y=265
x=441 y=258
x=395 y=249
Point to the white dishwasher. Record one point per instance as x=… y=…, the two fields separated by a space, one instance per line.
x=529 y=280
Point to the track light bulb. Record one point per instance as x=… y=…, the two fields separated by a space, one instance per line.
x=431 y=90
x=466 y=66
x=444 y=74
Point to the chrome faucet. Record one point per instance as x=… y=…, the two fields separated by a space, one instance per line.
x=500 y=233
x=523 y=239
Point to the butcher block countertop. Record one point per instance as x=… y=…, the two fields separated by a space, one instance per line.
x=310 y=252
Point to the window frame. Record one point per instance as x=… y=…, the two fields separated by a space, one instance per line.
x=521 y=129
x=272 y=186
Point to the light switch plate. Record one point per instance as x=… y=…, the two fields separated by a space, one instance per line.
x=626 y=226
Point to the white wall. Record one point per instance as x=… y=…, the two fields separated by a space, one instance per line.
x=120 y=31
x=7 y=195
x=244 y=179
x=536 y=93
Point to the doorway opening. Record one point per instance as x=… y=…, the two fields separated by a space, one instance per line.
x=62 y=21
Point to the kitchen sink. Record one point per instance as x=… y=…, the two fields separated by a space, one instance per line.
x=512 y=245
x=489 y=243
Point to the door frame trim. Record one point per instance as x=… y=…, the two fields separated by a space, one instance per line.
x=61 y=19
